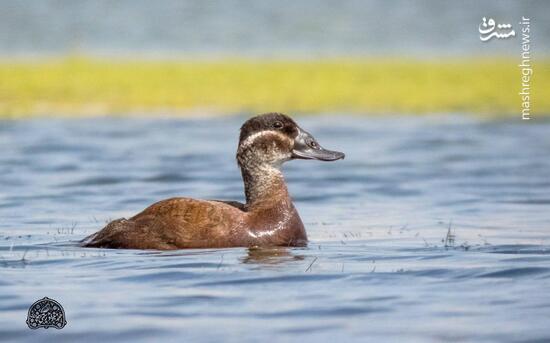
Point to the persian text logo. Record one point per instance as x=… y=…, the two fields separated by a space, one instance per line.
x=488 y=29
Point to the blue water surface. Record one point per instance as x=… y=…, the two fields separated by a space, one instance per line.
x=281 y=29
x=432 y=229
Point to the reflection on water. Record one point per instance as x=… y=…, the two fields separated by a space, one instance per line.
x=431 y=229
x=267 y=256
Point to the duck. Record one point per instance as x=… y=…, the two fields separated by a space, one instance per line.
x=267 y=219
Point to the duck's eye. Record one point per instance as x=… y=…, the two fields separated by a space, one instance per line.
x=314 y=144
x=277 y=125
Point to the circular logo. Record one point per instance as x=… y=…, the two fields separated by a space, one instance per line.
x=46 y=313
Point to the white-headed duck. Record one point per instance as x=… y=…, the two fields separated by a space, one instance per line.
x=268 y=218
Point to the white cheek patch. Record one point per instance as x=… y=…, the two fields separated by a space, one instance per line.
x=250 y=139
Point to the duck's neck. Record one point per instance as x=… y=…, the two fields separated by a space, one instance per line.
x=270 y=207
x=264 y=185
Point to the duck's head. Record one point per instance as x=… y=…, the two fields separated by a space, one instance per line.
x=274 y=138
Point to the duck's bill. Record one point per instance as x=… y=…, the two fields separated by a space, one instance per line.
x=321 y=155
x=307 y=148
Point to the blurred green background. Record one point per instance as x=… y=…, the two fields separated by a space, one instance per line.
x=76 y=58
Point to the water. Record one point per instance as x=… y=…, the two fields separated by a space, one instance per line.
x=312 y=28
x=382 y=264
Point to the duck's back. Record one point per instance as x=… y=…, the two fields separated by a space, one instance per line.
x=174 y=223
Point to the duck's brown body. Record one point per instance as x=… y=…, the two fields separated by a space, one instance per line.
x=268 y=218
x=180 y=223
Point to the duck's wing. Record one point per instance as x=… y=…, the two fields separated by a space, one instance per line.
x=235 y=204
x=173 y=224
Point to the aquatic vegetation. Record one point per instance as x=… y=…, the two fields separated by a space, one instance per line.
x=76 y=86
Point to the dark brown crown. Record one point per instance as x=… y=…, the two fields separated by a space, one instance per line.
x=269 y=121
